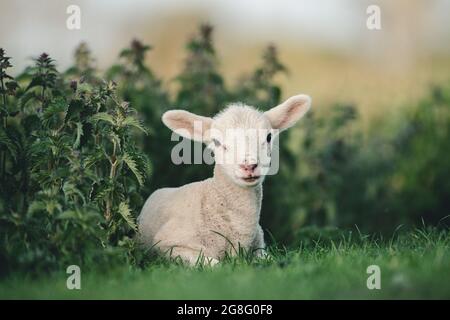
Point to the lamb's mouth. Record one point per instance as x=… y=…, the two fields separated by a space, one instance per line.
x=250 y=179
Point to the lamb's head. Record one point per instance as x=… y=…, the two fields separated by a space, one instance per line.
x=240 y=136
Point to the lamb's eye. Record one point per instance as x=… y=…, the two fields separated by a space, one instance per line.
x=216 y=142
x=269 y=138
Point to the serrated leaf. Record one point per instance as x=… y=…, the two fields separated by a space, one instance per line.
x=52 y=206
x=31 y=122
x=36 y=206
x=100 y=190
x=103 y=116
x=70 y=189
x=125 y=212
x=133 y=122
x=131 y=163
x=54 y=111
x=115 y=139
x=76 y=144
x=74 y=108
x=27 y=97
x=94 y=158
x=8 y=144
x=37 y=81
x=68 y=214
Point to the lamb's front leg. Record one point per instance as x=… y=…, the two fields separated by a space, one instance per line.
x=259 y=246
x=191 y=256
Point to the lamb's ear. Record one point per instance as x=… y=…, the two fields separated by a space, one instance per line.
x=188 y=125
x=289 y=112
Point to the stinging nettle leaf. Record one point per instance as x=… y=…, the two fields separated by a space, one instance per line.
x=76 y=144
x=103 y=116
x=125 y=212
x=132 y=165
x=133 y=122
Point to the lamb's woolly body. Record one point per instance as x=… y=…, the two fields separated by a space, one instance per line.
x=240 y=116
x=209 y=217
x=219 y=214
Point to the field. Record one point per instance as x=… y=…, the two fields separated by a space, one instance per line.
x=413 y=265
x=81 y=149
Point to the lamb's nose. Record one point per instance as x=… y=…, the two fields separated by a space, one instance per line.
x=248 y=167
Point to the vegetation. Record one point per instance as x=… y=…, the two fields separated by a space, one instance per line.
x=413 y=266
x=81 y=150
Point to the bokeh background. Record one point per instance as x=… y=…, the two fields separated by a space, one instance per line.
x=325 y=44
x=374 y=153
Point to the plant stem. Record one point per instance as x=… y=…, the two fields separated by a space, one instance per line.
x=43 y=96
x=112 y=176
x=5 y=122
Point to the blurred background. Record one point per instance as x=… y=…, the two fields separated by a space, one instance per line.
x=325 y=44
x=374 y=153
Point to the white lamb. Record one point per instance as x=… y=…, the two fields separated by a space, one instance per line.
x=220 y=214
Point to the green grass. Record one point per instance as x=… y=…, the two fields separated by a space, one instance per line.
x=414 y=265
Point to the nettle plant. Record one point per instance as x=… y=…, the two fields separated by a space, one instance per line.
x=70 y=171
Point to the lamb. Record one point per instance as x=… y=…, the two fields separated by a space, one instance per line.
x=215 y=216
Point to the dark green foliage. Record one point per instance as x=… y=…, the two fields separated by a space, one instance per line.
x=75 y=155
x=420 y=179
x=84 y=66
x=138 y=85
x=202 y=91
x=73 y=174
x=202 y=88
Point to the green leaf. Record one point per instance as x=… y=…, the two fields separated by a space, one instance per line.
x=133 y=122
x=27 y=97
x=115 y=139
x=37 y=81
x=74 y=108
x=125 y=212
x=31 y=123
x=70 y=189
x=52 y=206
x=141 y=159
x=131 y=163
x=97 y=155
x=68 y=214
x=100 y=190
x=103 y=116
x=8 y=143
x=35 y=207
x=54 y=112
x=76 y=144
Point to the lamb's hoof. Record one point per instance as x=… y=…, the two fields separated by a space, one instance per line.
x=211 y=261
x=262 y=254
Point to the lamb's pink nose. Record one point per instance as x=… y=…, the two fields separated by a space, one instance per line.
x=248 y=167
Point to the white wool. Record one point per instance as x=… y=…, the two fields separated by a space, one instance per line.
x=220 y=214
x=239 y=115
